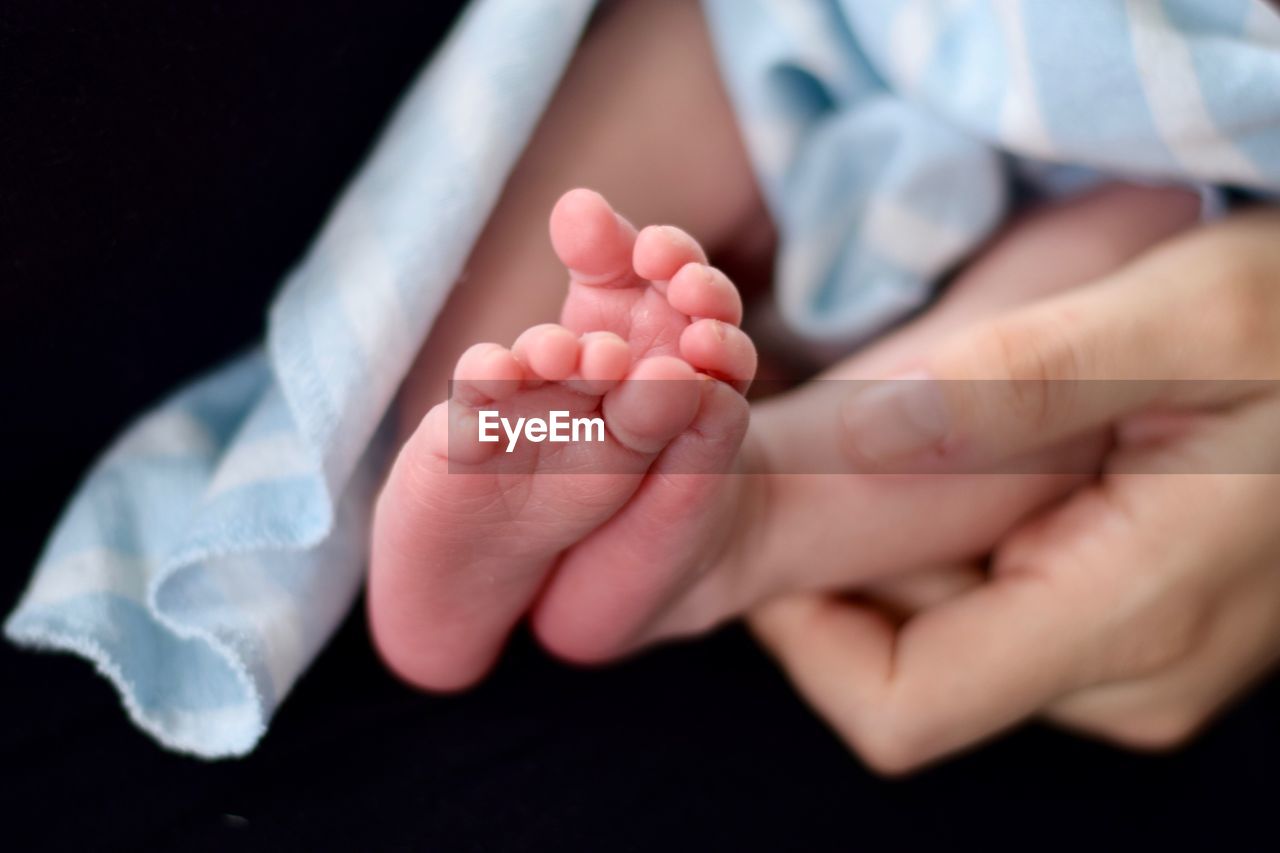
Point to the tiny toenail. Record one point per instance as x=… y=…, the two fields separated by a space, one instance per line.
x=718 y=328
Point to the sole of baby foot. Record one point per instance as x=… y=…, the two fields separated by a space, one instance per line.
x=682 y=523
x=466 y=533
x=609 y=585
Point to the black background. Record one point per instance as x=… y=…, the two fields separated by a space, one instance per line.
x=160 y=168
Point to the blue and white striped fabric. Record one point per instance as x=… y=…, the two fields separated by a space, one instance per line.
x=214 y=548
x=883 y=131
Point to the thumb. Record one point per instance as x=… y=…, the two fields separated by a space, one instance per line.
x=1166 y=331
x=955 y=674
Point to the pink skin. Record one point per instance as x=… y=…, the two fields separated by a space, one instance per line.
x=466 y=536
x=606 y=563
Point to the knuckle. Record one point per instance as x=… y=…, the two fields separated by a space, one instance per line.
x=1155 y=731
x=1160 y=630
x=1037 y=361
x=889 y=757
x=1149 y=652
x=894 y=744
x=1238 y=310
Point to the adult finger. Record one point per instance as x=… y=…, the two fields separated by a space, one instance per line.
x=1165 y=710
x=1217 y=595
x=1190 y=324
x=948 y=678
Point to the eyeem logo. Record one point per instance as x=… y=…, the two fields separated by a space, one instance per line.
x=559 y=428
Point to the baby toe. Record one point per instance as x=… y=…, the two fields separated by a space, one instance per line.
x=549 y=351
x=448 y=433
x=655 y=403
x=606 y=358
x=486 y=372
x=591 y=240
x=661 y=250
x=698 y=290
x=720 y=350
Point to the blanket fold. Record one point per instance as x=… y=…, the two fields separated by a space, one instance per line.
x=216 y=545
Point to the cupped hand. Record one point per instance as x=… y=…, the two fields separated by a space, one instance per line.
x=1140 y=606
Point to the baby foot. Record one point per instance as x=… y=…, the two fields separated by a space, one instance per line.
x=468 y=532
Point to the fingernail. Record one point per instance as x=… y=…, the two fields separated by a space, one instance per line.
x=897 y=419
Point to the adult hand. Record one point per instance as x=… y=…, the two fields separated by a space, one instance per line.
x=1140 y=606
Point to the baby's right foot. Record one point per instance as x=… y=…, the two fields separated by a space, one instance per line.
x=467 y=535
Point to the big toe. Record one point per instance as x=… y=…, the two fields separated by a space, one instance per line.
x=655 y=403
x=591 y=240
